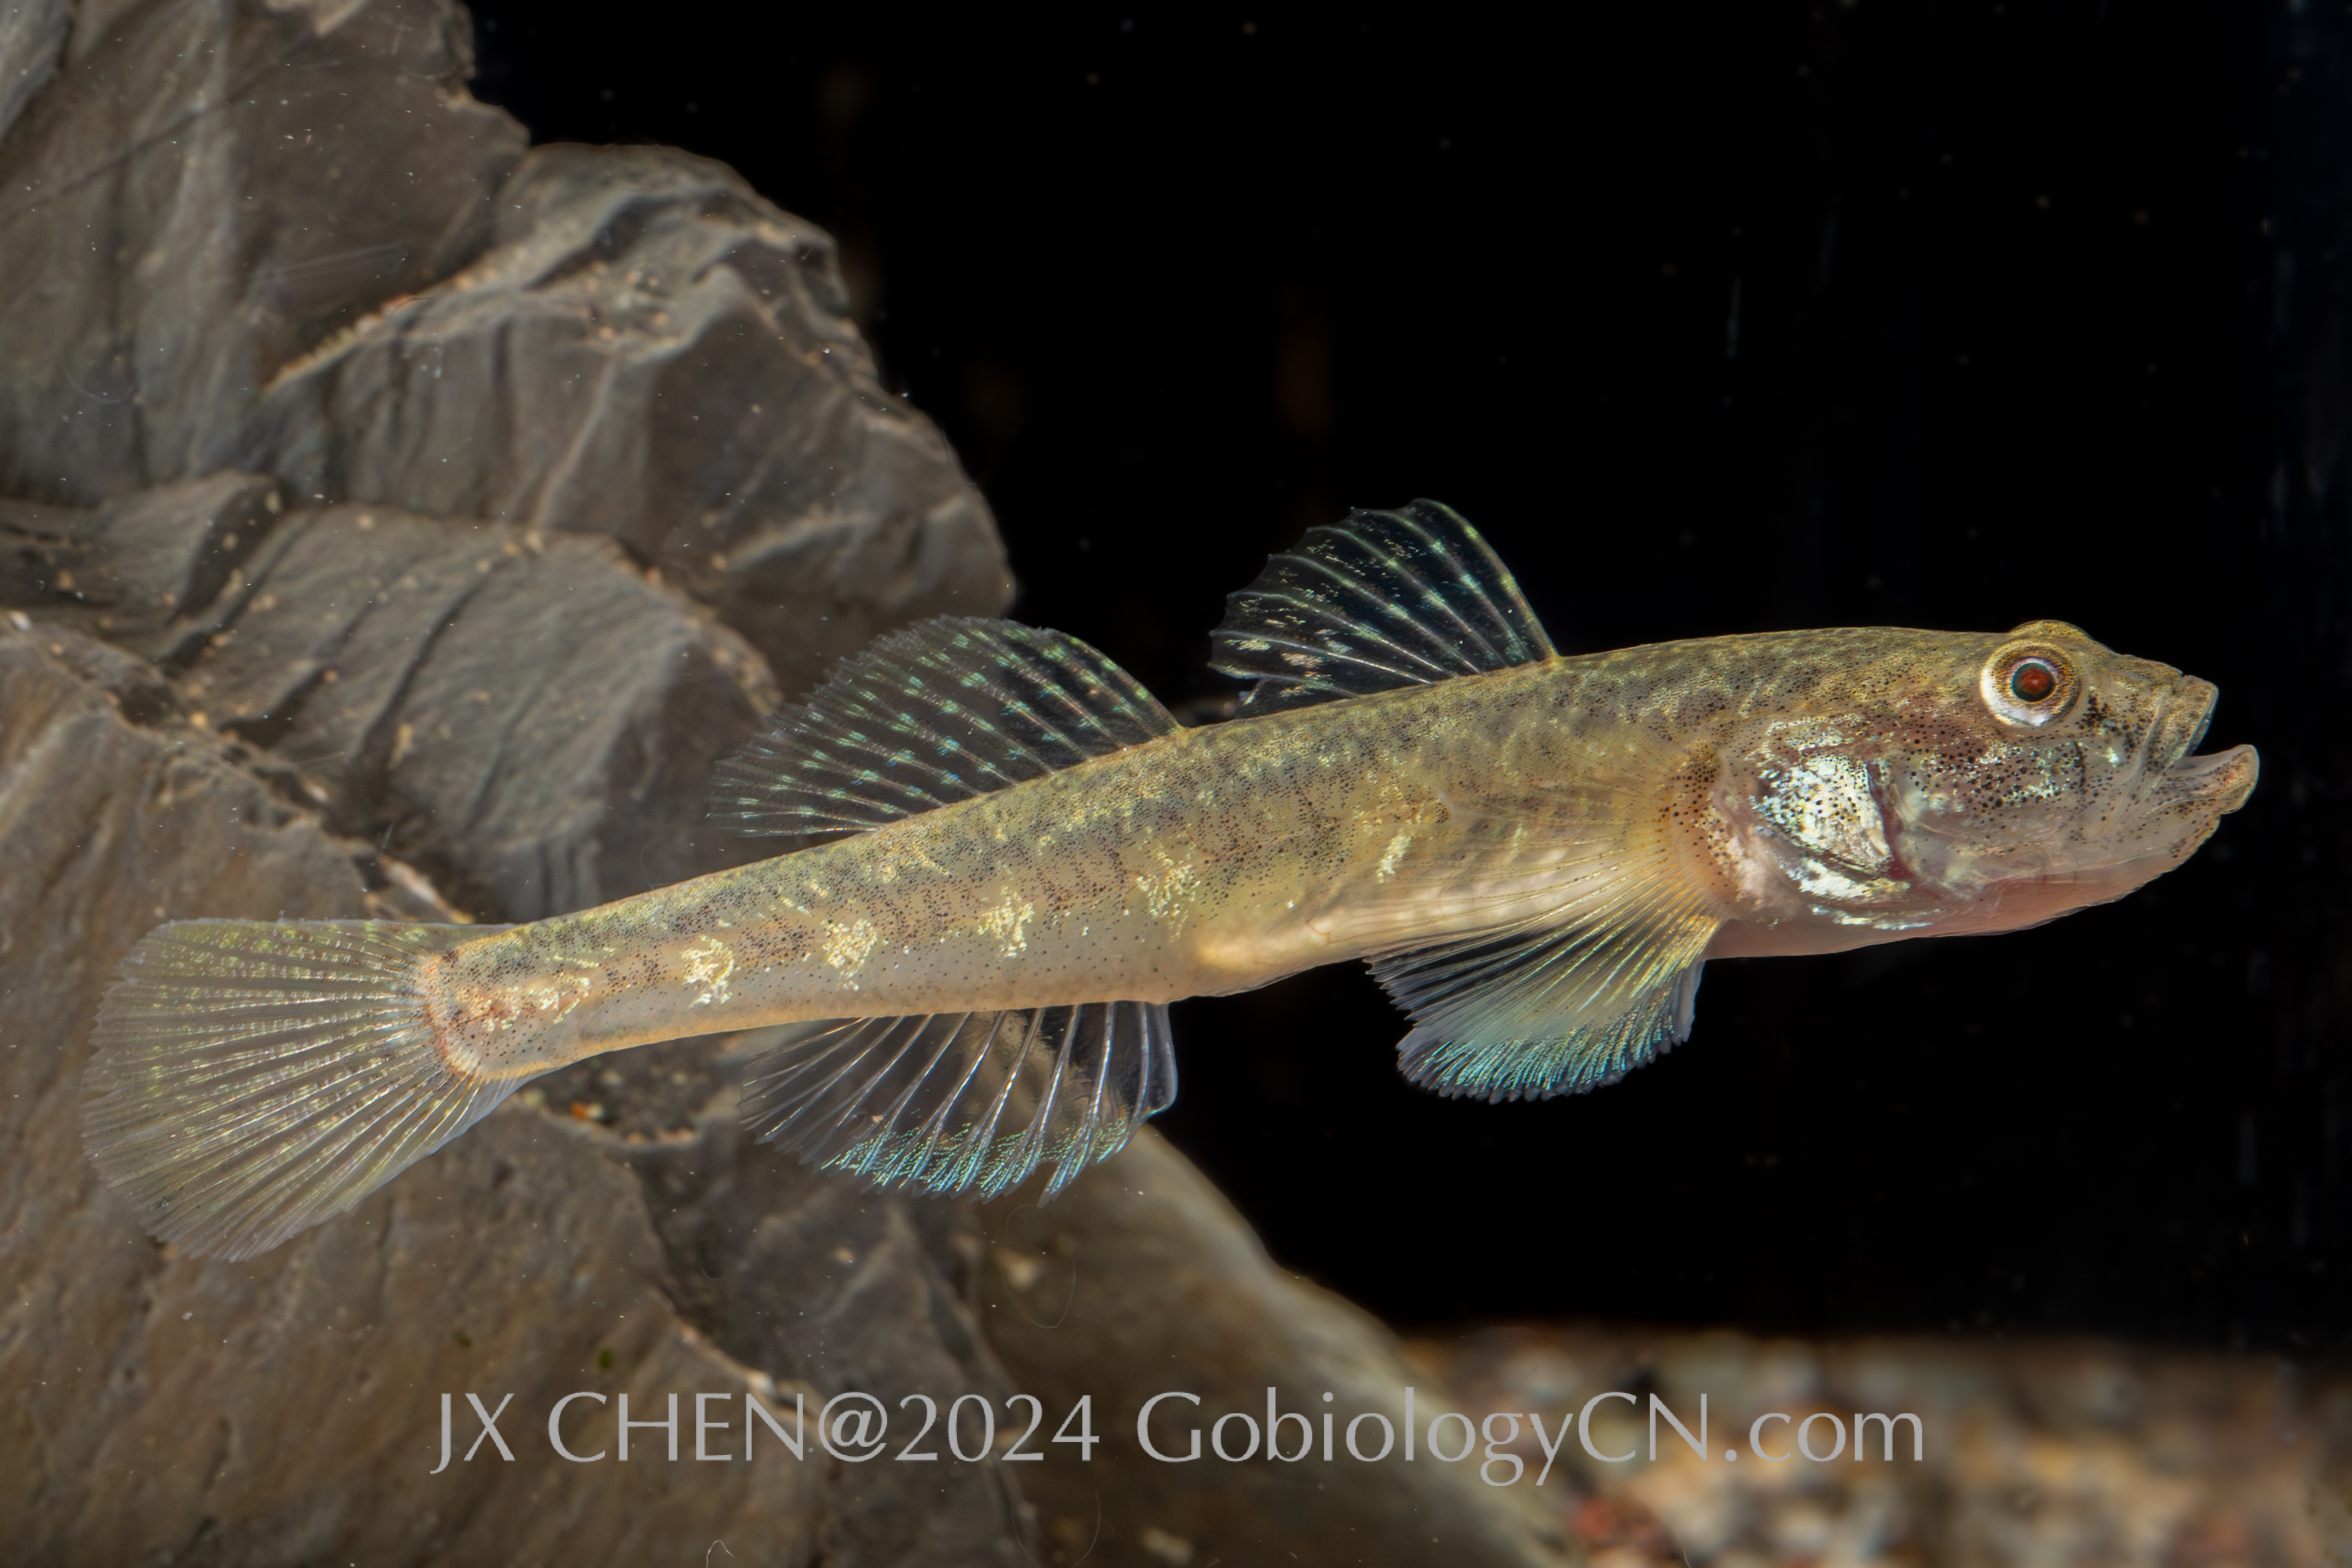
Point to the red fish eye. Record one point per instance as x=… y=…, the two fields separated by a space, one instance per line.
x=2032 y=680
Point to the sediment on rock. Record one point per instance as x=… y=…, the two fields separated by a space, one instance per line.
x=239 y=166
x=647 y=349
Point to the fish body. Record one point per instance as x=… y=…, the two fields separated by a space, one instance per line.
x=1204 y=862
x=1537 y=853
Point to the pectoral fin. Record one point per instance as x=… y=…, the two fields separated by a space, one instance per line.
x=1556 y=1012
x=1576 y=995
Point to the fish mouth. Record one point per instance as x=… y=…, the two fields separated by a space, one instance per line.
x=2220 y=780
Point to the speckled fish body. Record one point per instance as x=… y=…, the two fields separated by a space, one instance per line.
x=1205 y=861
x=1538 y=853
x=1201 y=862
x=1818 y=790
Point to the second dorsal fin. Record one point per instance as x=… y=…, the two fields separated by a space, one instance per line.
x=940 y=712
x=1379 y=600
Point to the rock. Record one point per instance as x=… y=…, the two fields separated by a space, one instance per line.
x=648 y=350
x=824 y=1282
x=1140 y=1279
x=145 y=565
x=287 y=1409
x=321 y=557
x=651 y=352
x=204 y=192
x=32 y=37
x=529 y=719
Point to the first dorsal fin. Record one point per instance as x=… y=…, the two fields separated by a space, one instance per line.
x=1380 y=600
x=940 y=712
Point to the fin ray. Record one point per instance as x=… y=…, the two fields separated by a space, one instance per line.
x=250 y=1080
x=1380 y=600
x=1535 y=1013
x=971 y=1103
x=1591 y=968
x=943 y=711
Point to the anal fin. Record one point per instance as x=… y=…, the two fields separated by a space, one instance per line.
x=966 y=1103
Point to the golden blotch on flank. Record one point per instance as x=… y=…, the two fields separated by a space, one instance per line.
x=1173 y=892
x=1008 y=924
x=708 y=962
x=847 y=944
x=1391 y=856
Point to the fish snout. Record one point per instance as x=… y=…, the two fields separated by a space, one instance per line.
x=2176 y=776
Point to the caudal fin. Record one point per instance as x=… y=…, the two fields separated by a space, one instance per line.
x=250 y=1080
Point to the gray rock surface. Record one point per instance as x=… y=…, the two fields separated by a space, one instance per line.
x=147 y=565
x=235 y=240
x=649 y=350
x=1142 y=1278
x=526 y=716
x=532 y=719
x=32 y=37
x=362 y=543
x=206 y=190
x=287 y=1409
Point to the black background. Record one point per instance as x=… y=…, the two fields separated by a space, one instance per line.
x=1715 y=319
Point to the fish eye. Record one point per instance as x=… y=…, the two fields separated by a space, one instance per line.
x=2030 y=685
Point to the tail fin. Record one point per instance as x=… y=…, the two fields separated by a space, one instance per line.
x=966 y=1103
x=250 y=1080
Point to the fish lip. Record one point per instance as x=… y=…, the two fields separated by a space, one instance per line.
x=2215 y=774
x=2224 y=777
x=2206 y=695
x=2182 y=717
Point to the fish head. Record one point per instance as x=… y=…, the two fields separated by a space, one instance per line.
x=1979 y=783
